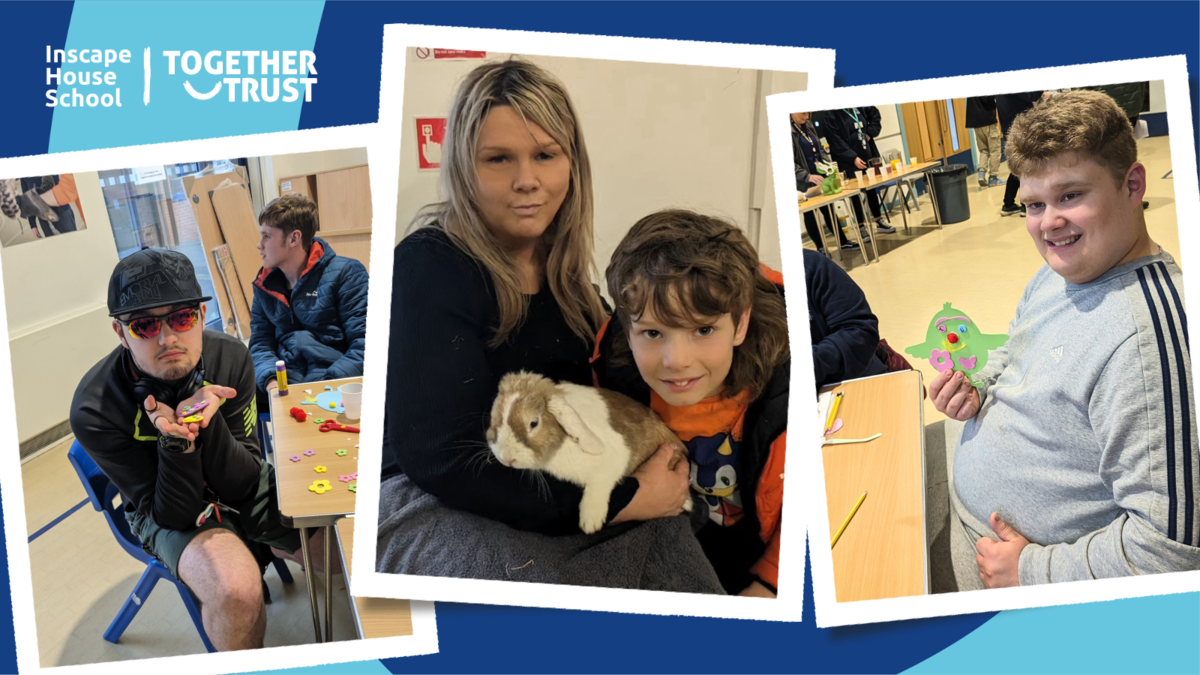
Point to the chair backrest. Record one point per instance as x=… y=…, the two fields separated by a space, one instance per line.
x=101 y=493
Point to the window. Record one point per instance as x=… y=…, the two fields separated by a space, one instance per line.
x=149 y=207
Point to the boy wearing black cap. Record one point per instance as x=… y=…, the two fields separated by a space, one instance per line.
x=170 y=471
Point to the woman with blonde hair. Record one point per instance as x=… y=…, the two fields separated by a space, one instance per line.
x=494 y=279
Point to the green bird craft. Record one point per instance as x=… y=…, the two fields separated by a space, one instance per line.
x=954 y=342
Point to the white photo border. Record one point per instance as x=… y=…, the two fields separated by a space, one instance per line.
x=424 y=637
x=818 y=63
x=1172 y=70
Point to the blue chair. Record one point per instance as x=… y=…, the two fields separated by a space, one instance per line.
x=101 y=493
x=265 y=440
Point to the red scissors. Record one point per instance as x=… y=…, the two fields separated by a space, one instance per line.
x=334 y=426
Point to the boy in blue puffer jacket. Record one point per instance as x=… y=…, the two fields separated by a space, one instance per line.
x=310 y=304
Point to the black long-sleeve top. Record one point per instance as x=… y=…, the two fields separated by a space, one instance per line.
x=845 y=334
x=1011 y=105
x=443 y=377
x=167 y=486
x=844 y=143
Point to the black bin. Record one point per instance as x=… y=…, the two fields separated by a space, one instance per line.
x=948 y=189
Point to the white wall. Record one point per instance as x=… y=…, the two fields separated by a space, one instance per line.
x=55 y=293
x=768 y=240
x=658 y=136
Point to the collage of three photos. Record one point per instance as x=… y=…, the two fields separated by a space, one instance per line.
x=559 y=372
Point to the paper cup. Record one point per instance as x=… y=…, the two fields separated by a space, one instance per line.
x=912 y=160
x=858 y=175
x=352 y=399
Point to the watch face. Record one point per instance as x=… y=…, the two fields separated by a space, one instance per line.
x=173 y=444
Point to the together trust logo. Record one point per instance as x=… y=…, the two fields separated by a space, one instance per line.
x=255 y=76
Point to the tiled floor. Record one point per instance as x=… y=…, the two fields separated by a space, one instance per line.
x=980 y=265
x=81 y=578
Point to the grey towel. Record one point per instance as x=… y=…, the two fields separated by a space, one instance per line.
x=419 y=535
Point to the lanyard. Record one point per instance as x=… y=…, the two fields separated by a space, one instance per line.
x=852 y=112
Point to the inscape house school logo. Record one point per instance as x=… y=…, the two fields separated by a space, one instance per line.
x=255 y=76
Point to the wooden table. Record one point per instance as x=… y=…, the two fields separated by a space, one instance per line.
x=300 y=507
x=373 y=617
x=882 y=553
x=813 y=203
x=907 y=172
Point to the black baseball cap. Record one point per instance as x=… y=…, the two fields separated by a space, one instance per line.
x=150 y=278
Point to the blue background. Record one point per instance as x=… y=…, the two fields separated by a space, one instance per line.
x=941 y=39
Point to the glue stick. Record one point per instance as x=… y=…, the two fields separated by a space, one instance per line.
x=281 y=377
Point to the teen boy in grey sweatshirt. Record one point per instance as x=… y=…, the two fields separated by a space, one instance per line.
x=1079 y=458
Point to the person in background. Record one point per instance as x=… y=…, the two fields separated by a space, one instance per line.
x=845 y=334
x=310 y=304
x=981 y=116
x=807 y=150
x=1008 y=106
x=851 y=133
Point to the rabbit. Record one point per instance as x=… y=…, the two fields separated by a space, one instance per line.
x=584 y=435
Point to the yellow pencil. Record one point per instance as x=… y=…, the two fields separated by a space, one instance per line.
x=837 y=401
x=847 y=521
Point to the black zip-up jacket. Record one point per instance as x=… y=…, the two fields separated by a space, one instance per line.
x=168 y=487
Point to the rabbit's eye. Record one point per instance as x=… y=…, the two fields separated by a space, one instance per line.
x=533 y=424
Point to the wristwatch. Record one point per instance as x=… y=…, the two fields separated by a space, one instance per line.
x=173 y=443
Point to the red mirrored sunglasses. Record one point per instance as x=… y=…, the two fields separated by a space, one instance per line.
x=149 y=326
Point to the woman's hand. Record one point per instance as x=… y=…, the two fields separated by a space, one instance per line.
x=662 y=491
x=859 y=163
x=815 y=179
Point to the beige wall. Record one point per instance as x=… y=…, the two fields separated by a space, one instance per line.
x=658 y=136
x=278 y=167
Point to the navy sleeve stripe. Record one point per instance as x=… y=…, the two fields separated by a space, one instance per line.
x=1168 y=404
x=1178 y=303
x=1184 y=409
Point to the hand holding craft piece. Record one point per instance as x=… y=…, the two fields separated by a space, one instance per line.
x=954 y=342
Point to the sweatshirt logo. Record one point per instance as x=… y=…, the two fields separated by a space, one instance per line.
x=1056 y=353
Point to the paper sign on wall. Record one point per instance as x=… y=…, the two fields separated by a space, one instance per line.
x=149 y=174
x=427 y=54
x=430 y=132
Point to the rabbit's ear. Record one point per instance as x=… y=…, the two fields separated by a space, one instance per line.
x=573 y=424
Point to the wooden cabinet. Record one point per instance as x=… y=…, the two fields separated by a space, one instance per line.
x=936 y=129
x=303 y=185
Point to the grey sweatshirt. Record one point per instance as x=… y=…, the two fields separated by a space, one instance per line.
x=1085 y=442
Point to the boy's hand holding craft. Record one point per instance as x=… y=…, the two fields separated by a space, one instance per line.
x=999 y=560
x=164 y=419
x=954 y=395
x=211 y=396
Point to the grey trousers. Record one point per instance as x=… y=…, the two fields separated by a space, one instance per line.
x=951 y=544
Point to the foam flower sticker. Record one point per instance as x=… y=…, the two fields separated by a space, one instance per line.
x=353 y=487
x=340 y=453
x=320 y=487
x=320 y=469
x=309 y=452
x=295 y=458
x=345 y=478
